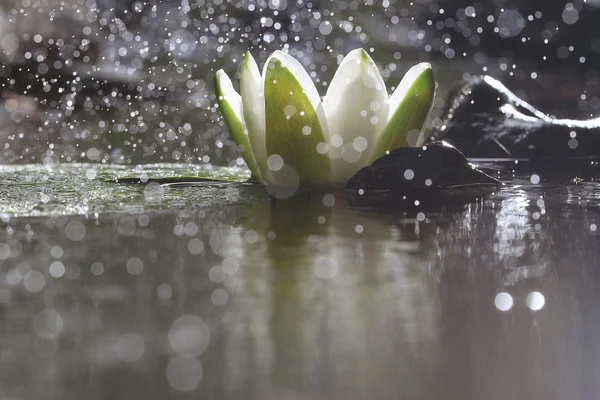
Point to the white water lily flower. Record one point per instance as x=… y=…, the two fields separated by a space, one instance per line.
x=288 y=136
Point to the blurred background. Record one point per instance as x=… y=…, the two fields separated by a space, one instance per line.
x=121 y=81
x=122 y=291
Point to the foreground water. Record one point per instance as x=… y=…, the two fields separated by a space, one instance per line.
x=128 y=291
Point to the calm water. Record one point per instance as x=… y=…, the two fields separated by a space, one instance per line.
x=114 y=291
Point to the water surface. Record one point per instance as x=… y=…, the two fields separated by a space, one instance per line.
x=120 y=291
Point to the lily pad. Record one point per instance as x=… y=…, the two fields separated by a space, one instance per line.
x=90 y=189
x=168 y=180
x=174 y=173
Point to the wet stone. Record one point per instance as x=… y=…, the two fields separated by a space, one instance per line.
x=486 y=120
x=420 y=176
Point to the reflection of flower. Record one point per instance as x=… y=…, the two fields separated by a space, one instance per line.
x=288 y=136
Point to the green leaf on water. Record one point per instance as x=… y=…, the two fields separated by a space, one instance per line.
x=167 y=180
x=175 y=174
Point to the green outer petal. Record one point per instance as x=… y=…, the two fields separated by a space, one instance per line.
x=237 y=127
x=284 y=136
x=412 y=113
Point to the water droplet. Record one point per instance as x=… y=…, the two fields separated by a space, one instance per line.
x=325 y=27
x=535 y=301
x=535 y=179
x=34 y=281
x=130 y=347
x=219 y=297
x=573 y=144
x=337 y=141
x=57 y=269
x=184 y=374
x=326 y=267
x=289 y=110
x=189 y=335
x=275 y=162
x=75 y=231
x=164 y=291
x=135 y=266
x=195 y=246
x=329 y=200
x=360 y=144
x=97 y=268
x=503 y=301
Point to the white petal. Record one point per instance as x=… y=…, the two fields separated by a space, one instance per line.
x=229 y=94
x=230 y=103
x=253 y=100
x=305 y=82
x=356 y=107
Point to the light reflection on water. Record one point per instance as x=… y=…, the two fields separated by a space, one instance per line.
x=228 y=297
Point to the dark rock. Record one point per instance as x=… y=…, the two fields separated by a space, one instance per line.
x=486 y=120
x=416 y=176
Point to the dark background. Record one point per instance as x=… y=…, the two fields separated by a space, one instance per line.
x=131 y=81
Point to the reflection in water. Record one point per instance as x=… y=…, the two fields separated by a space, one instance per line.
x=329 y=298
x=307 y=299
x=519 y=248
